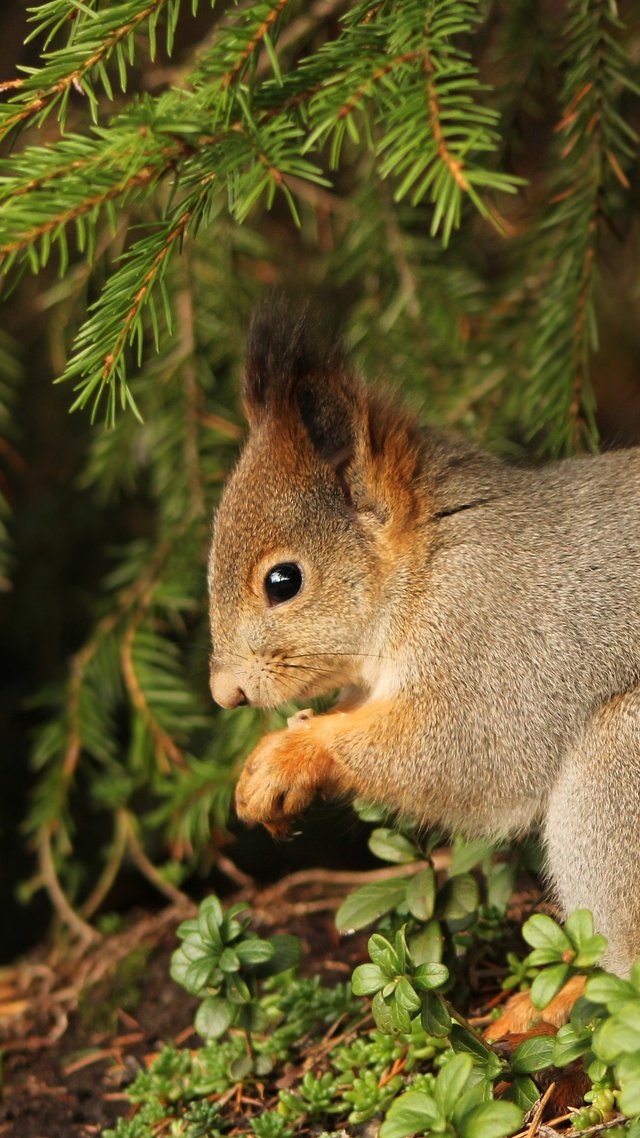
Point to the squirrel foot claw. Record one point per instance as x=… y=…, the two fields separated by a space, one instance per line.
x=280 y=779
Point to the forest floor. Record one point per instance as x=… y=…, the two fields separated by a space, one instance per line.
x=76 y=1027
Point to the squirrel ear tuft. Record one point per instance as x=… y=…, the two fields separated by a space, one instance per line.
x=292 y=379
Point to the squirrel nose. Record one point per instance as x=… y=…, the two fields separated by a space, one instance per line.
x=226 y=692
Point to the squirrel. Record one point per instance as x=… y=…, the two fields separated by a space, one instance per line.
x=481 y=620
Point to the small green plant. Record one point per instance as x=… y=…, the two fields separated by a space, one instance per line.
x=423 y=1069
x=458 y=1107
x=444 y=920
x=222 y=960
x=401 y=989
x=566 y=952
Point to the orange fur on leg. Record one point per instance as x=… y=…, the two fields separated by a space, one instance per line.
x=282 y=776
x=287 y=768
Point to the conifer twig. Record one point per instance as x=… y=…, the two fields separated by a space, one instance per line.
x=43 y=98
x=61 y=902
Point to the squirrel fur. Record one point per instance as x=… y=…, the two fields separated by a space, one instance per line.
x=482 y=622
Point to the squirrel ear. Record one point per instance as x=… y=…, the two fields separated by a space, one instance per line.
x=384 y=473
x=291 y=380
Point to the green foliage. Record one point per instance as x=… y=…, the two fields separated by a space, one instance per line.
x=566 y=951
x=378 y=152
x=401 y=989
x=450 y=1082
x=221 y=960
x=439 y=922
x=457 y=1106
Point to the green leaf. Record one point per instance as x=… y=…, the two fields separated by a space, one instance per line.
x=462 y=1040
x=628 y=1072
x=591 y=952
x=524 y=1092
x=194 y=950
x=254 y=951
x=533 y=1055
x=452 y=1080
x=370 y=903
x=584 y=1012
x=400 y=1018
x=460 y=897
x=541 y=931
x=210 y=918
x=434 y=1015
x=287 y=953
x=495 y=1119
x=366 y=979
x=179 y=967
x=501 y=882
x=400 y=948
x=548 y=984
x=236 y=989
x=406 y=996
x=213 y=1017
x=428 y=976
x=619 y=1033
x=609 y=990
x=412 y=1113
x=389 y=845
x=421 y=894
x=570 y=1045
x=241 y=1067
x=381 y=1011
x=427 y=945
x=228 y=961
x=188 y=928
x=467 y=853
x=198 y=975
x=579 y=927
x=383 y=954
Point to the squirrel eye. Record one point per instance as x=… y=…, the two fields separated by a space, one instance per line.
x=283 y=582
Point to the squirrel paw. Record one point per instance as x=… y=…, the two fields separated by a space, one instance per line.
x=280 y=778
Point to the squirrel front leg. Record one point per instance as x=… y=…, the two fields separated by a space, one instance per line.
x=322 y=754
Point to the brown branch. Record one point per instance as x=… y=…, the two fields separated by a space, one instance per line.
x=128 y=599
x=148 y=869
x=166 y=750
x=43 y=98
x=176 y=233
x=141 y=179
x=539 y=1111
x=61 y=903
x=364 y=88
x=110 y=871
x=454 y=165
x=254 y=43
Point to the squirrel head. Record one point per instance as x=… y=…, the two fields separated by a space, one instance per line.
x=311 y=523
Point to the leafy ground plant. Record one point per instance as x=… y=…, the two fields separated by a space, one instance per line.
x=391 y=1046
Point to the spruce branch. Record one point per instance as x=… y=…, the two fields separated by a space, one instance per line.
x=111 y=868
x=165 y=749
x=146 y=867
x=594 y=144
x=273 y=10
x=90 y=44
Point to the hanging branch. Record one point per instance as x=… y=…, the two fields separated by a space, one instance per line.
x=91 y=43
x=594 y=144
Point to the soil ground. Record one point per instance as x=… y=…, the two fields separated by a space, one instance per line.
x=75 y=1027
